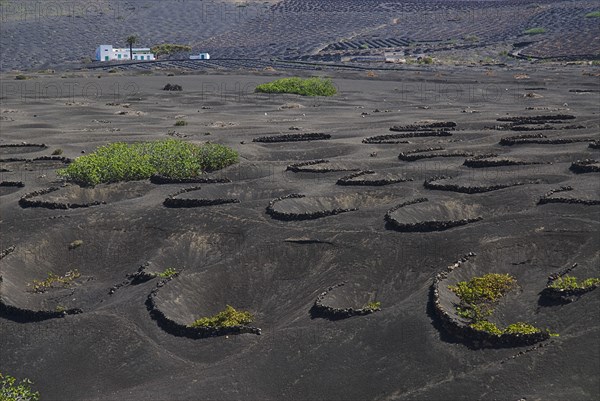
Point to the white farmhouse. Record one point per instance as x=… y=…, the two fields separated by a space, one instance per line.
x=108 y=53
x=201 y=56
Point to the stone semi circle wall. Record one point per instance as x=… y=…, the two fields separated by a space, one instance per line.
x=595 y=144
x=397 y=138
x=292 y=138
x=465 y=333
x=181 y=330
x=27 y=315
x=301 y=216
x=483 y=161
x=61 y=159
x=585 y=166
x=548 y=198
x=539 y=139
x=161 y=179
x=423 y=226
x=319 y=309
x=350 y=180
x=430 y=183
x=18 y=184
x=413 y=156
x=424 y=127
x=24 y=145
x=304 y=167
x=28 y=201
x=563 y=296
x=537 y=119
x=174 y=202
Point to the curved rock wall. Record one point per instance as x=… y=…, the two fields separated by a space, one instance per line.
x=292 y=138
x=181 y=330
x=320 y=309
x=465 y=333
x=301 y=216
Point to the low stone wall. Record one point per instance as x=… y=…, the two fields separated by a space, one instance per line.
x=6 y=252
x=161 y=179
x=180 y=330
x=557 y=118
x=483 y=162
x=301 y=216
x=304 y=167
x=539 y=139
x=174 y=202
x=413 y=156
x=422 y=226
x=430 y=183
x=585 y=166
x=23 y=315
x=549 y=198
x=292 y=137
x=424 y=127
x=350 y=180
x=64 y=160
x=319 y=309
x=594 y=144
x=28 y=201
x=24 y=145
x=396 y=138
x=466 y=334
x=562 y=295
x=18 y=184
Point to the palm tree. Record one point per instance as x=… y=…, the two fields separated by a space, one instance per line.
x=130 y=41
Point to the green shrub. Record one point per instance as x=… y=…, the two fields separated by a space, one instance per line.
x=534 y=31
x=11 y=390
x=180 y=123
x=306 y=87
x=373 y=306
x=521 y=328
x=126 y=162
x=593 y=14
x=478 y=295
x=21 y=77
x=168 y=272
x=227 y=318
x=54 y=280
x=425 y=60
x=570 y=283
x=57 y=152
x=169 y=48
x=484 y=325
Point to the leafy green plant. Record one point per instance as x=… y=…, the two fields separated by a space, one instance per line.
x=180 y=123
x=226 y=318
x=21 y=77
x=57 y=152
x=13 y=390
x=479 y=294
x=425 y=60
x=593 y=14
x=306 y=87
x=373 y=306
x=126 y=162
x=169 y=48
x=567 y=283
x=54 y=280
x=521 y=328
x=534 y=31
x=484 y=325
x=168 y=272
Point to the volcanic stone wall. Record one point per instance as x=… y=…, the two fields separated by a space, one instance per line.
x=28 y=201
x=180 y=330
x=301 y=216
x=320 y=309
x=465 y=333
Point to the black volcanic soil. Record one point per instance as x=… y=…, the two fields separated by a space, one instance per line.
x=239 y=254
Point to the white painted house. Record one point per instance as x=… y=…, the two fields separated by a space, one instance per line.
x=201 y=56
x=108 y=53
